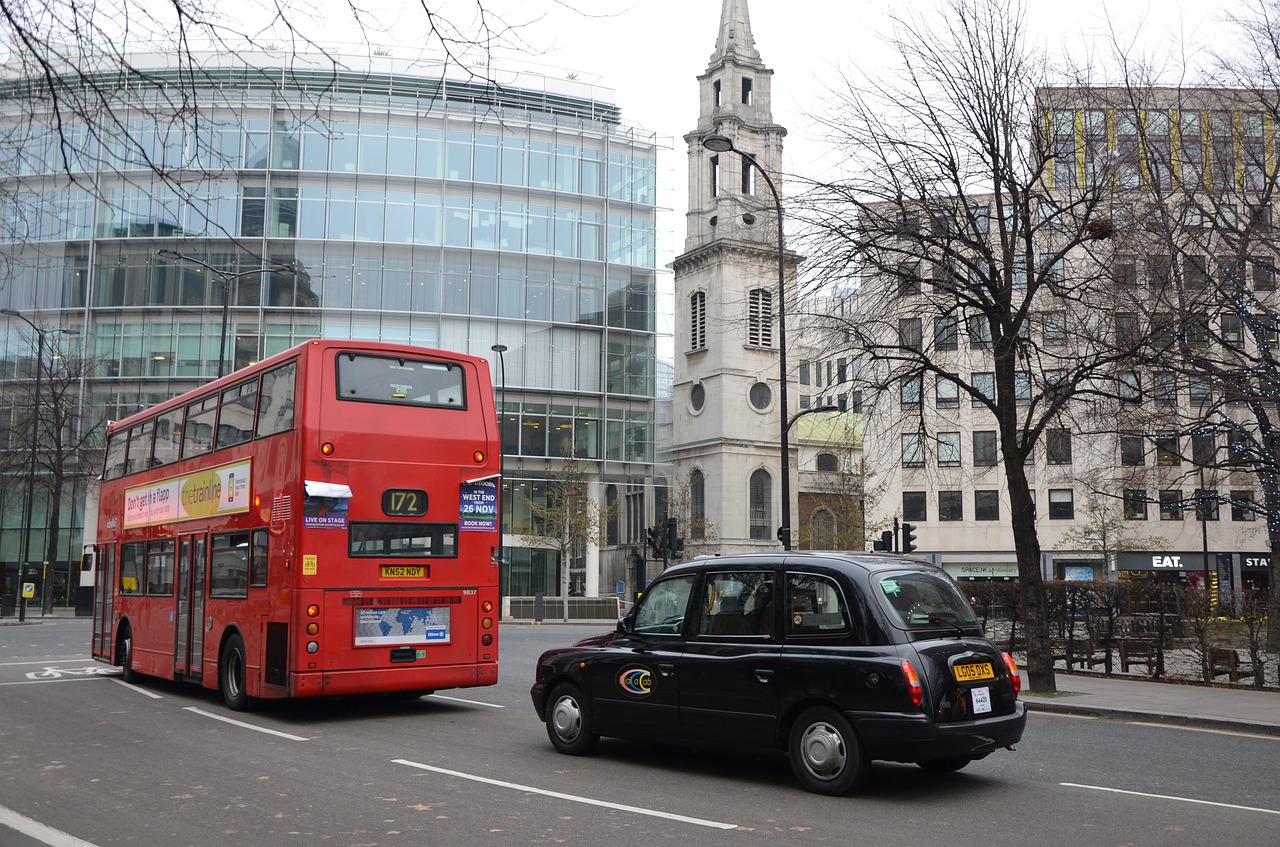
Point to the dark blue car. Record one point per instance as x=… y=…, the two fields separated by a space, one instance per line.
x=837 y=659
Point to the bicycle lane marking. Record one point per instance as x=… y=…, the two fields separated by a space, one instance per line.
x=573 y=798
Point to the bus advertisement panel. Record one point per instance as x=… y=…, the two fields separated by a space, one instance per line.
x=323 y=522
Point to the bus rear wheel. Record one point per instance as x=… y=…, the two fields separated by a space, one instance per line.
x=231 y=674
x=124 y=652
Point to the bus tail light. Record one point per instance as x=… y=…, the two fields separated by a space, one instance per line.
x=478 y=457
x=1015 y=678
x=486 y=606
x=914 y=691
x=487 y=639
x=327 y=448
x=313 y=629
x=313 y=611
x=313 y=647
x=486 y=623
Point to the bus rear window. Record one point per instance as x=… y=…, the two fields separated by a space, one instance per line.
x=405 y=540
x=395 y=380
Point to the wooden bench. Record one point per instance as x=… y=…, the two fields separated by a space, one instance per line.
x=1137 y=653
x=1081 y=651
x=1224 y=660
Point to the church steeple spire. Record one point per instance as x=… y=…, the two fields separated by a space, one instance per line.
x=736 y=100
x=735 y=35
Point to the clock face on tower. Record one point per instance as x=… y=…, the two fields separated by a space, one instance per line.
x=761 y=396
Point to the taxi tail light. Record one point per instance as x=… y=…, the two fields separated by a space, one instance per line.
x=1015 y=678
x=914 y=691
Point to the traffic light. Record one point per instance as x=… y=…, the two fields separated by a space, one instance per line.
x=885 y=542
x=908 y=538
x=656 y=539
x=784 y=535
x=674 y=543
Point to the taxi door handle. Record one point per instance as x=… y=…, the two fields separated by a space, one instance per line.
x=666 y=670
x=763 y=675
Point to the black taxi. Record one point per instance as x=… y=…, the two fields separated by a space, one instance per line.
x=837 y=659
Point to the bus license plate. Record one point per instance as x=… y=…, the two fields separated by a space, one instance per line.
x=974 y=672
x=403 y=571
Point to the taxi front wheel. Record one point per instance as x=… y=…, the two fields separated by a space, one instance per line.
x=826 y=755
x=569 y=721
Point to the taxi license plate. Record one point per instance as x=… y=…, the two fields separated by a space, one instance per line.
x=403 y=571
x=974 y=672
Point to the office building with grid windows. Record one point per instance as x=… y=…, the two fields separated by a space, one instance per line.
x=1145 y=475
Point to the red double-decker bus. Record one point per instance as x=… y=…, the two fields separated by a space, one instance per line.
x=323 y=522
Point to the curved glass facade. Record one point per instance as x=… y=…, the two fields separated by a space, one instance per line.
x=436 y=211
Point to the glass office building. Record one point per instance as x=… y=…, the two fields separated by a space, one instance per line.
x=409 y=202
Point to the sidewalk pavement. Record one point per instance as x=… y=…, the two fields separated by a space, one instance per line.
x=1199 y=706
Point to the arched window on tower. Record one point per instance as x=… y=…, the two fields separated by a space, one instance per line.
x=698 y=321
x=760 y=317
x=822 y=527
x=761 y=504
x=697 y=505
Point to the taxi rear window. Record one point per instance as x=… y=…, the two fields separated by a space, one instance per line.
x=917 y=600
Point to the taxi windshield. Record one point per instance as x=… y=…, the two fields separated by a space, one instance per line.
x=919 y=600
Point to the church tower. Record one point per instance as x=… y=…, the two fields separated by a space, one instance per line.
x=727 y=404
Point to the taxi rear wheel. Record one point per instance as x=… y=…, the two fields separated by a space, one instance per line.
x=826 y=755
x=569 y=721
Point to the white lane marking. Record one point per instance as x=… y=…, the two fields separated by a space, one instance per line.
x=574 y=798
x=1231 y=732
x=470 y=702
x=244 y=725
x=40 y=832
x=139 y=689
x=1170 y=797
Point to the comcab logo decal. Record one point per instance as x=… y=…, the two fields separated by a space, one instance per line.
x=636 y=681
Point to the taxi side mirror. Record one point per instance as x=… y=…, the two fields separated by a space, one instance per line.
x=624 y=625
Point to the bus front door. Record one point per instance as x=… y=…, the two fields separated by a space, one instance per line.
x=104 y=586
x=188 y=653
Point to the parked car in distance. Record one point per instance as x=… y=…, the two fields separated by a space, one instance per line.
x=838 y=659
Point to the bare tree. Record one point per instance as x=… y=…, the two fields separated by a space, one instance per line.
x=1205 y=186
x=67 y=451
x=959 y=221
x=569 y=519
x=126 y=87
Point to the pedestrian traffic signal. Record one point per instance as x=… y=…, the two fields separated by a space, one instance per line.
x=908 y=538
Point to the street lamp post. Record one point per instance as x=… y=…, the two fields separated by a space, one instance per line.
x=224 y=279
x=28 y=512
x=717 y=143
x=500 y=349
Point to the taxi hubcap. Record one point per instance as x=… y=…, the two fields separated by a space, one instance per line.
x=567 y=718
x=823 y=750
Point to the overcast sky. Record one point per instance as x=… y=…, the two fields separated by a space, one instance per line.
x=650 y=53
